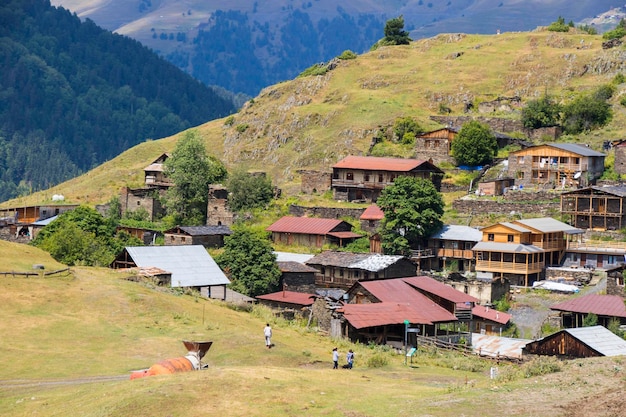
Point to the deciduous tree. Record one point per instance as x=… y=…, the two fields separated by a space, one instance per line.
x=247 y=191
x=413 y=210
x=474 y=145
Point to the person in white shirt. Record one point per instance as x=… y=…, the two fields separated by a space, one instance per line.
x=335 y=359
x=268 y=335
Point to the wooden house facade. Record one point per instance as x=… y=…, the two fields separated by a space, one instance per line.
x=207 y=236
x=452 y=247
x=495 y=187
x=154 y=175
x=362 y=178
x=556 y=164
x=520 y=250
x=343 y=269
x=596 y=208
x=584 y=342
x=436 y=145
x=311 y=231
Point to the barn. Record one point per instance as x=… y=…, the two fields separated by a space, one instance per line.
x=580 y=342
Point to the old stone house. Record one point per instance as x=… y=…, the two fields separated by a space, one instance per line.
x=218 y=211
x=207 y=236
x=364 y=177
x=297 y=277
x=371 y=218
x=619 y=147
x=556 y=164
x=154 y=176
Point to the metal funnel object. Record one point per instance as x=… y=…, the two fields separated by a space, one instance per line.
x=198 y=348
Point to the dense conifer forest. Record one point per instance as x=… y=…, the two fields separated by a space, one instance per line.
x=74 y=95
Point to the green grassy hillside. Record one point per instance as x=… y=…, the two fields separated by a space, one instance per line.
x=311 y=122
x=69 y=343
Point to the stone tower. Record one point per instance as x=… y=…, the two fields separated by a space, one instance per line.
x=217 y=213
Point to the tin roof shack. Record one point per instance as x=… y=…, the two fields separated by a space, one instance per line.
x=297 y=277
x=289 y=303
x=154 y=176
x=495 y=187
x=556 y=164
x=362 y=178
x=520 y=250
x=583 y=342
x=597 y=208
x=191 y=266
x=606 y=307
x=487 y=320
x=378 y=311
x=311 y=231
x=452 y=246
x=207 y=236
x=343 y=269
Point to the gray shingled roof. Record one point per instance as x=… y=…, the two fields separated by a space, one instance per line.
x=507 y=247
x=579 y=149
x=457 y=232
x=372 y=262
x=190 y=265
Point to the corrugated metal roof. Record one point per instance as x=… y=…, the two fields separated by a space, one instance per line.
x=45 y=222
x=494 y=346
x=345 y=235
x=372 y=212
x=507 y=247
x=574 y=147
x=549 y=225
x=492 y=314
x=601 y=305
x=372 y=262
x=617 y=190
x=384 y=164
x=457 y=232
x=292 y=257
x=201 y=230
x=290 y=297
x=600 y=339
x=191 y=266
x=440 y=289
x=304 y=225
x=290 y=266
x=380 y=314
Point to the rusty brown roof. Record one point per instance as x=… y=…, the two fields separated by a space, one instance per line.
x=491 y=314
x=440 y=289
x=373 y=212
x=601 y=305
x=289 y=297
x=345 y=235
x=304 y=225
x=399 y=301
x=374 y=163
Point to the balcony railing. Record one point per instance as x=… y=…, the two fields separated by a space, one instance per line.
x=500 y=266
x=455 y=253
x=598 y=246
x=559 y=167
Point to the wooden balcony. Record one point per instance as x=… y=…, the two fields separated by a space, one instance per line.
x=501 y=266
x=559 y=167
x=554 y=244
x=455 y=253
x=366 y=185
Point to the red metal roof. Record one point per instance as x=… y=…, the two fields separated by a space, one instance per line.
x=382 y=164
x=491 y=314
x=440 y=289
x=399 y=302
x=601 y=305
x=304 y=225
x=373 y=212
x=290 y=297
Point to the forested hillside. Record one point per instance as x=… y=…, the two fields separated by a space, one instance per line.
x=75 y=95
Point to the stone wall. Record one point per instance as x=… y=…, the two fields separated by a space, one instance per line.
x=502 y=125
x=615 y=284
x=540 y=202
x=620 y=159
x=570 y=275
x=315 y=181
x=325 y=212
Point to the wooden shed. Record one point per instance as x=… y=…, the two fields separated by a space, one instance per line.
x=581 y=342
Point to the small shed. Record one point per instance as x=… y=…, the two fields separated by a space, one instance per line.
x=495 y=187
x=297 y=277
x=582 y=342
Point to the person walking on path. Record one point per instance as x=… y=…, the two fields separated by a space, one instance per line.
x=268 y=335
x=335 y=359
x=350 y=358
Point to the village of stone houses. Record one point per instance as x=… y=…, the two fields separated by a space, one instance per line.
x=557 y=230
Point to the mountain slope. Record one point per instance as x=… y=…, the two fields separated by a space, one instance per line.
x=248 y=44
x=76 y=95
x=312 y=122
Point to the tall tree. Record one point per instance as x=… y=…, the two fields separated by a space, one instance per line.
x=474 y=145
x=247 y=191
x=191 y=170
x=395 y=33
x=250 y=263
x=413 y=210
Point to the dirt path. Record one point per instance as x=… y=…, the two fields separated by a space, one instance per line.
x=26 y=383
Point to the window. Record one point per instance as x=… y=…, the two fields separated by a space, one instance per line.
x=380 y=177
x=563 y=160
x=349 y=176
x=576 y=161
x=490 y=237
x=138 y=203
x=341 y=272
x=323 y=271
x=366 y=177
x=520 y=159
x=509 y=238
x=356 y=274
x=520 y=175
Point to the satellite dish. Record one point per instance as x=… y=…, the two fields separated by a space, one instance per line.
x=577 y=175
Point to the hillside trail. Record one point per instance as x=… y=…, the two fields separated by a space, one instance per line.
x=530 y=310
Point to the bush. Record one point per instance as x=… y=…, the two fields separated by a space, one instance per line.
x=315 y=69
x=229 y=120
x=559 y=26
x=378 y=360
x=242 y=127
x=347 y=54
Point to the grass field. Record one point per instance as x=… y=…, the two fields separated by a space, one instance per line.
x=69 y=344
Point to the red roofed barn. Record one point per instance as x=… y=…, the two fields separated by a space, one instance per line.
x=312 y=232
